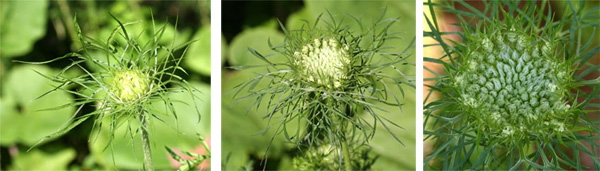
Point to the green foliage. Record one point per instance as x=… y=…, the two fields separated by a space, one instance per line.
x=22 y=23
x=125 y=152
x=39 y=100
x=124 y=90
x=246 y=131
x=238 y=52
x=43 y=161
x=23 y=117
x=328 y=75
x=198 y=57
x=192 y=163
x=511 y=89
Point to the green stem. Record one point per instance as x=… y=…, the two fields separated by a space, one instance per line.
x=146 y=144
x=344 y=138
x=68 y=19
x=346 y=153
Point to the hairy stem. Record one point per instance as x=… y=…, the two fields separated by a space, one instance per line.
x=346 y=153
x=146 y=144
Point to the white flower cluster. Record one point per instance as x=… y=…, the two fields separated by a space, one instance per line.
x=323 y=62
x=129 y=85
x=514 y=84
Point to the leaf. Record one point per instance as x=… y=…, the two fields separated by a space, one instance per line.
x=385 y=145
x=197 y=57
x=241 y=125
x=298 y=19
x=39 y=160
x=20 y=119
x=22 y=24
x=254 y=38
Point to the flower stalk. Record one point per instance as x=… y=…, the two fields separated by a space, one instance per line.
x=346 y=153
x=146 y=146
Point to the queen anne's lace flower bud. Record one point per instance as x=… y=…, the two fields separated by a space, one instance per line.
x=319 y=158
x=323 y=62
x=130 y=85
x=513 y=83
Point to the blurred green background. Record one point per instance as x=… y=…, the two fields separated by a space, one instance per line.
x=252 y=24
x=42 y=30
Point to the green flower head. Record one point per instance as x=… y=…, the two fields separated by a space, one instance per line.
x=130 y=85
x=511 y=93
x=323 y=62
x=512 y=83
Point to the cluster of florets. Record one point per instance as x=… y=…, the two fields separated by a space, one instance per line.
x=319 y=158
x=323 y=62
x=513 y=85
x=129 y=85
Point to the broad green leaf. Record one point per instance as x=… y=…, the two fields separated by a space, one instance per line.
x=298 y=19
x=243 y=128
x=198 y=54
x=21 y=121
x=22 y=24
x=255 y=38
x=39 y=160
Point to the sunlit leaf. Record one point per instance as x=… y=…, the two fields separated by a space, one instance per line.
x=22 y=24
x=198 y=55
x=21 y=121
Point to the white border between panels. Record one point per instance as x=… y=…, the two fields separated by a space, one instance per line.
x=419 y=85
x=215 y=84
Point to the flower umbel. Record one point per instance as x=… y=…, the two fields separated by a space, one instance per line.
x=323 y=62
x=511 y=96
x=514 y=75
x=130 y=85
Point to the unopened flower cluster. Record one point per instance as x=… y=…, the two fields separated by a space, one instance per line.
x=323 y=62
x=512 y=85
x=321 y=158
x=129 y=85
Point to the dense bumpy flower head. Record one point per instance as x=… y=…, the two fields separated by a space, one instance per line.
x=323 y=158
x=513 y=85
x=130 y=85
x=326 y=157
x=324 y=62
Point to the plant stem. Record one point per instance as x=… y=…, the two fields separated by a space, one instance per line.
x=146 y=144
x=344 y=138
x=346 y=153
x=68 y=19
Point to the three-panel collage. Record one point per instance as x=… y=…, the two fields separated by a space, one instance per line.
x=299 y=85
